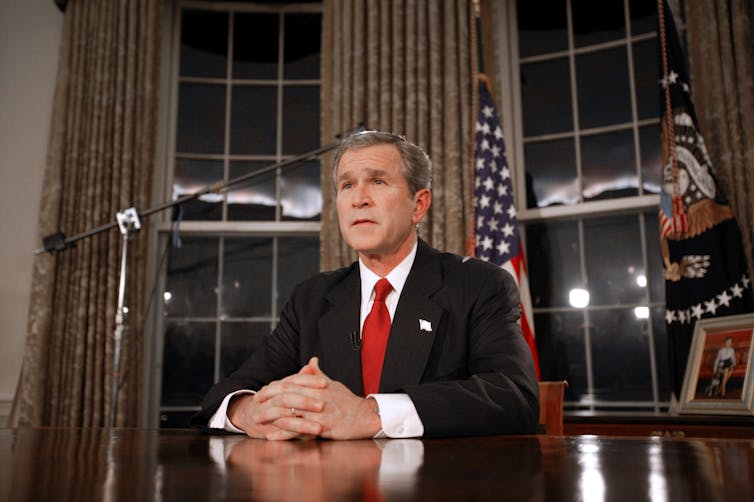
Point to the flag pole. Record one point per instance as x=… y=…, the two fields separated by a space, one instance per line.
x=477 y=28
x=476 y=63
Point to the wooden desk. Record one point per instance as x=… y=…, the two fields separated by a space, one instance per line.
x=141 y=465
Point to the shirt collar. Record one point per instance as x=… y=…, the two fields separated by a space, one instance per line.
x=397 y=277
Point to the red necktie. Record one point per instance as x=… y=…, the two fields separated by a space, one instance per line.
x=374 y=338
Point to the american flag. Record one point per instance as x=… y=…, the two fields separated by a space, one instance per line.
x=496 y=227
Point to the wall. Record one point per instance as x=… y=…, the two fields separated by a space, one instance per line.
x=30 y=33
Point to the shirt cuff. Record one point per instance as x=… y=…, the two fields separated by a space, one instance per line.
x=398 y=415
x=220 y=419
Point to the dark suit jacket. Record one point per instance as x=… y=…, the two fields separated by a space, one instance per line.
x=472 y=374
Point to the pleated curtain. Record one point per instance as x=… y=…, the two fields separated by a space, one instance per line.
x=721 y=53
x=100 y=161
x=402 y=66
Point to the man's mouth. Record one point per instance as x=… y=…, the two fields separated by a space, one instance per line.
x=361 y=221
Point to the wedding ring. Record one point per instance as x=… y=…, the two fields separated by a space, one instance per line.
x=293 y=411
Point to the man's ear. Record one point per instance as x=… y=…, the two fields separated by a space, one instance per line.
x=422 y=201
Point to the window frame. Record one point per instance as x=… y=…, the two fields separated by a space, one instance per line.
x=508 y=64
x=161 y=230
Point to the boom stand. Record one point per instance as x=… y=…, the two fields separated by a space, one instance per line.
x=128 y=222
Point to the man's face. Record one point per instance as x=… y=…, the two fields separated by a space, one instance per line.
x=376 y=212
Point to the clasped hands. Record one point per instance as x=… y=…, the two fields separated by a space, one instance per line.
x=305 y=405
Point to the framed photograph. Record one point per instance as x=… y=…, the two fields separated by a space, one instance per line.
x=719 y=378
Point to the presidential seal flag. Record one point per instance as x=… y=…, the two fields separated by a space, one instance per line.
x=496 y=227
x=705 y=265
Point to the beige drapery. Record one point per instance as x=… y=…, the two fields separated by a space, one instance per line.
x=99 y=161
x=402 y=66
x=721 y=50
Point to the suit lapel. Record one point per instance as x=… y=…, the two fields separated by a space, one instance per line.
x=410 y=342
x=339 y=360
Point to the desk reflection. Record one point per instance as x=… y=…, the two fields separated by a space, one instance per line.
x=319 y=470
x=594 y=468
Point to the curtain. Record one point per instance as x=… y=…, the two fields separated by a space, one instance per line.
x=99 y=161
x=402 y=66
x=721 y=53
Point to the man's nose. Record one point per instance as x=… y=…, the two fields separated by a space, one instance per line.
x=361 y=196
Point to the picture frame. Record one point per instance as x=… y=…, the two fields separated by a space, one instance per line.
x=719 y=377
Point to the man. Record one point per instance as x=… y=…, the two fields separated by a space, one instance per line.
x=455 y=361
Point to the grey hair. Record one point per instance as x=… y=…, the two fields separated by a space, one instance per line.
x=416 y=166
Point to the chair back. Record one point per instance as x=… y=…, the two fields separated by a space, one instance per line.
x=551 y=395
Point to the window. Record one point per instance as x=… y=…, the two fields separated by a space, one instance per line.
x=246 y=85
x=587 y=146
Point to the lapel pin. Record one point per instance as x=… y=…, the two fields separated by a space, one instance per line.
x=425 y=325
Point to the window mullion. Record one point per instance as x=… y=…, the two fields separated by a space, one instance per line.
x=219 y=307
x=650 y=319
x=587 y=326
x=574 y=102
x=632 y=96
x=279 y=114
x=228 y=110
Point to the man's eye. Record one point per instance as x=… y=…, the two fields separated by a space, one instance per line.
x=346 y=186
x=379 y=182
